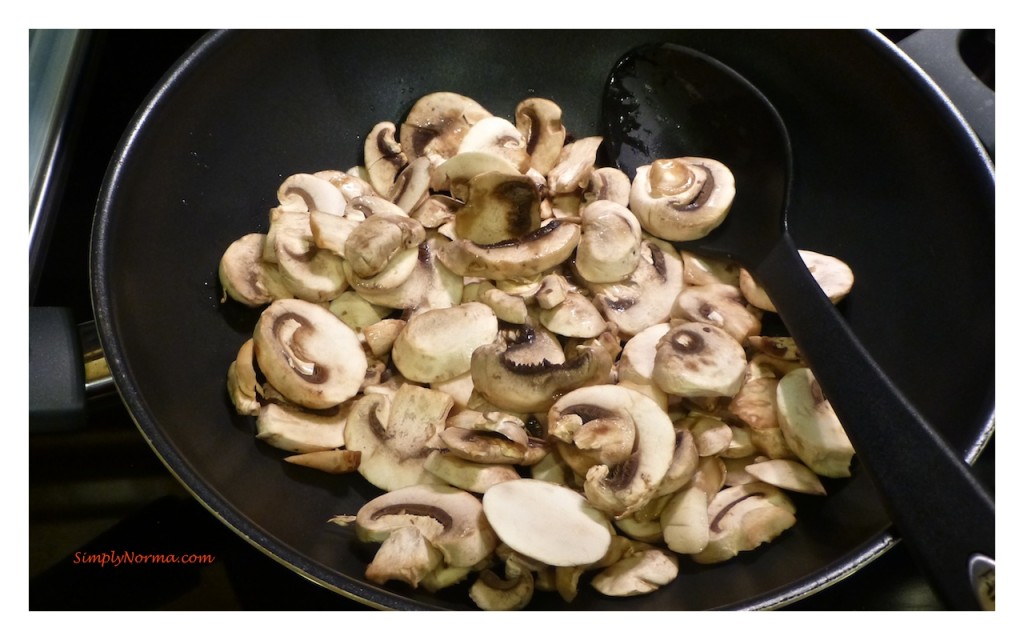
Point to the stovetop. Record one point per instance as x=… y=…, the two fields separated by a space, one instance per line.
x=100 y=489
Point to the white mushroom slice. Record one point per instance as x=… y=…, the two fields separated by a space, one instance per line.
x=574 y=317
x=694 y=359
x=531 y=388
x=443 y=577
x=304 y=192
x=710 y=475
x=373 y=243
x=553 y=289
x=383 y=156
x=547 y=522
x=310 y=273
x=246 y=277
x=352 y=309
x=509 y=308
x=685 y=463
x=292 y=429
x=645 y=298
x=454 y=174
x=436 y=125
x=412 y=279
x=755 y=402
x=497 y=136
x=460 y=388
x=742 y=518
x=609 y=247
x=636 y=364
x=499 y=208
x=622 y=489
x=711 y=435
x=436 y=210
x=539 y=120
x=607 y=183
x=684 y=521
x=308 y=354
x=412 y=186
x=335 y=461
x=406 y=555
x=395 y=436
x=512 y=593
x=721 y=305
x=352 y=184
x=648 y=531
x=741 y=445
x=644 y=570
x=682 y=198
x=524 y=257
x=777 y=348
x=772 y=443
x=438 y=344
x=475 y=477
x=452 y=520
x=380 y=336
x=787 y=474
x=575 y=164
x=242 y=383
x=832 y=274
x=330 y=231
x=699 y=270
x=484 y=439
x=810 y=426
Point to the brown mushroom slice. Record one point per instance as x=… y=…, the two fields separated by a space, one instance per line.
x=475 y=477
x=684 y=521
x=787 y=474
x=334 y=461
x=575 y=163
x=395 y=435
x=744 y=517
x=524 y=513
x=499 y=207
x=310 y=273
x=539 y=120
x=304 y=192
x=607 y=183
x=682 y=198
x=491 y=592
x=438 y=344
x=622 y=489
x=372 y=244
x=308 y=354
x=451 y=519
x=436 y=125
x=645 y=298
x=574 y=317
x=810 y=426
x=383 y=156
x=496 y=441
x=412 y=186
x=832 y=274
x=529 y=388
x=694 y=359
x=524 y=257
x=242 y=383
x=755 y=401
x=646 y=569
x=246 y=277
x=290 y=428
x=609 y=247
x=497 y=136
x=721 y=305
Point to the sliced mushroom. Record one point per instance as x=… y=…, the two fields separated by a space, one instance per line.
x=607 y=183
x=310 y=273
x=685 y=463
x=246 y=277
x=525 y=512
x=622 y=489
x=609 y=247
x=452 y=520
x=755 y=402
x=645 y=298
x=574 y=317
x=742 y=518
x=352 y=184
x=475 y=477
x=335 y=461
x=373 y=243
x=684 y=521
x=395 y=436
x=438 y=344
x=405 y=555
x=539 y=120
x=499 y=208
x=292 y=429
x=832 y=274
x=383 y=156
x=700 y=270
x=308 y=354
x=682 y=198
x=242 y=382
x=644 y=570
x=532 y=388
x=331 y=231
x=721 y=305
x=304 y=192
x=412 y=279
x=810 y=426
x=575 y=164
x=787 y=474
x=524 y=257
x=509 y=308
x=412 y=186
x=454 y=174
x=694 y=359
x=497 y=136
x=436 y=125
x=511 y=593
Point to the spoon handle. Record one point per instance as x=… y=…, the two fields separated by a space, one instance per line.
x=937 y=505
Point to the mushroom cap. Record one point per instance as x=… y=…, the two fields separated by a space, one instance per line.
x=547 y=522
x=308 y=354
x=244 y=275
x=645 y=297
x=832 y=274
x=695 y=359
x=609 y=247
x=438 y=344
x=685 y=211
x=436 y=125
x=310 y=273
x=722 y=305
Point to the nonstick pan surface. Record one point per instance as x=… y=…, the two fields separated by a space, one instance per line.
x=887 y=177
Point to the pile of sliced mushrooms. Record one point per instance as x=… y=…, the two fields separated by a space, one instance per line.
x=500 y=335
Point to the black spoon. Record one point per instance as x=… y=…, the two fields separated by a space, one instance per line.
x=667 y=101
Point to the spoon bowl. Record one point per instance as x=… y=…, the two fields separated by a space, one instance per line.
x=667 y=101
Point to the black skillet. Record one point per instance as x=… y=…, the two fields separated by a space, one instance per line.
x=200 y=163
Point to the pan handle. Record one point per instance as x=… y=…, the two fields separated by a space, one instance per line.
x=67 y=370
